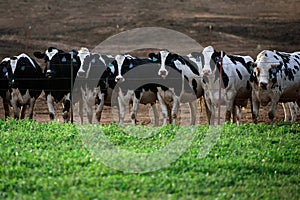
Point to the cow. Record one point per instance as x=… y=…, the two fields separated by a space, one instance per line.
x=189 y=70
x=25 y=78
x=58 y=73
x=142 y=89
x=93 y=67
x=275 y=78
x=235 y=88
x=4 y=89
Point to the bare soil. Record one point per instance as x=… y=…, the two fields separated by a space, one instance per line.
x=238 y=27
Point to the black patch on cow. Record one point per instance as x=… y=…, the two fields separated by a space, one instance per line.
x=294 y=71
x=280 y=89
x=239 y=74
x=266 y=54
x=194 y=84
x=288 y=72
x=276 y=57
x=248 y=86
x=191 y=65
x=296 y=56
x=296 y=67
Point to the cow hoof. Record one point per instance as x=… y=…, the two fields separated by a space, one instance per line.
x=51 y=116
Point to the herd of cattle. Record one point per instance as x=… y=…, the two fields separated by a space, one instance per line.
x=101 y=79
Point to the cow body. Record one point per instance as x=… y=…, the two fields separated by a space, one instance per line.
x=26 y=83
x=235 y=87
x=189 y=70
x=275 y=78
x=58 y=78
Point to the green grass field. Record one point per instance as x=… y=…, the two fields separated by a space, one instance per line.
x=51 y=161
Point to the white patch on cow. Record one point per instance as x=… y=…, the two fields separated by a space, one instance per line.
x=207 y=53
x=82 y=54
x=13 y=64
x=120 y=60
x=26 y=56
x=162 y=71
x=51 y=53
x=197 y=61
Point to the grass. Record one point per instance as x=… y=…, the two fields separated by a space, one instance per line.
x=51 y=161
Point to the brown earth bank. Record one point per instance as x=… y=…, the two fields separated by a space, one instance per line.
x=238 y=27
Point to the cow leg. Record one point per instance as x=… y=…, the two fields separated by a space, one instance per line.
x=208 y=112
x=238 y=114
x=100 y=107
x=135 y=106
x=272 y=111
x=255 y=108
x=174 y=112
x=14 y=103
x=286 y=111
x=193 y=112
x=90 y=102
x=6 y=104
x=66 y=108
x=80 y=110
x=156 y=115
x=234 y=114
x=50 y=102
x=31 y=107
x=294 y=111
x=122 y=108
x=163 y=108
x=23 y=111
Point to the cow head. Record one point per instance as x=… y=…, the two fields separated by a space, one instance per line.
x=264 y=71
x=85 y=60
x=121 y=65
x=211 y=60
x=165 y=58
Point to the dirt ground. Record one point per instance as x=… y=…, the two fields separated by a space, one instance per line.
x=238 y=27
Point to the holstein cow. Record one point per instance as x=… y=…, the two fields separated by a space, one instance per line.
x=26 y=83
x=91 y=72
x=4 y=89
x=236 y=89
x=138 y=90
x=58 y=73
x=275 y=78
x=189 y=70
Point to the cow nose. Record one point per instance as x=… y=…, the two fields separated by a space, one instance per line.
x=119 y=79
x=206 y=72
x=263 y=85
x=81 y=74
x=163 y=73
x=12 y=84
x=49 y=73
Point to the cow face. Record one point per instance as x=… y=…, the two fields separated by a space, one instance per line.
x=121 y=65
x=211 y=59
x=265 y=70
x=265 y=75
x=165 y=58
x=85 y=60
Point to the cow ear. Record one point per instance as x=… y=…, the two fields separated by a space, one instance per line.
x=153 y=57
x=251 y=65
x=39 y=55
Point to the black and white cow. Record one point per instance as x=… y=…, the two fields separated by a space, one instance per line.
x=4 y=89
x=236 y=89
x=26 y=84
x=140 y=91
x=275 y=78
x=189 y=69
x=58 y=73
x=92 y=70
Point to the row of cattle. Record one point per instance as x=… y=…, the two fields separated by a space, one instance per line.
x=163 y=77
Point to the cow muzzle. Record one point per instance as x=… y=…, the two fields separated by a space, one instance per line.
x=206 y=72
x=12 y=84
x=163 y=73
x=81 y=74
x=263 y=85
x=49 y=74
x=119 y=79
